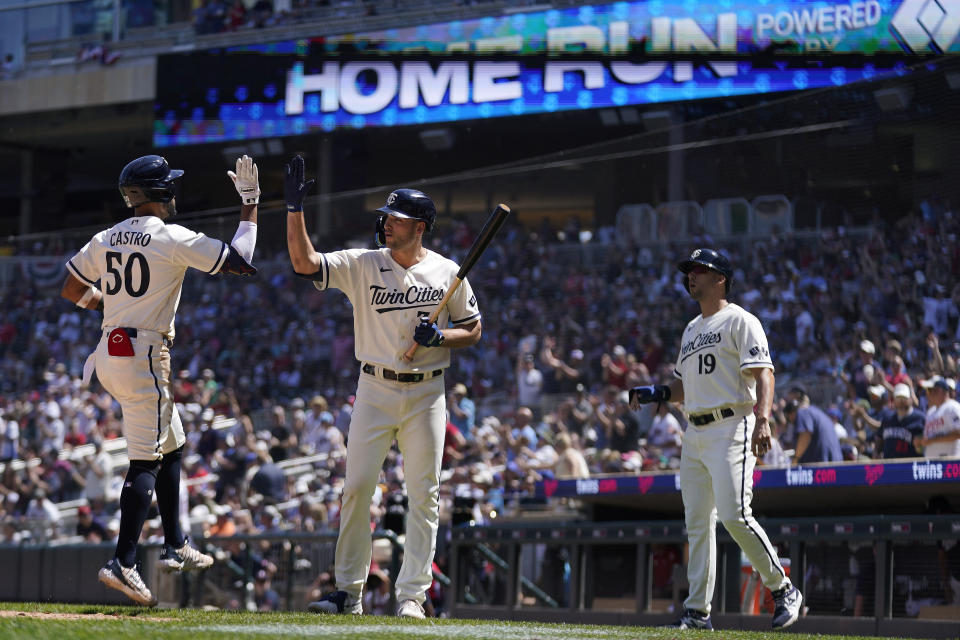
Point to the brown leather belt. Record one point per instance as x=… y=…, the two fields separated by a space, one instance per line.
x=387 y=374
x=707 y=418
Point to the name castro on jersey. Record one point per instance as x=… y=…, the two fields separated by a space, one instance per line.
x=137 y=238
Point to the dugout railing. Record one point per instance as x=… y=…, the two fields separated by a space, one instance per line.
x=613 y=573
x=290 y=562
x=866 y=575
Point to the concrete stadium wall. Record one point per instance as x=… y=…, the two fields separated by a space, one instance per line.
x=90 y=85
x=57 y=574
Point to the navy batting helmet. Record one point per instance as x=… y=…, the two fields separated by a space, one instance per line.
x=406 y=203
x=148 y=179
x=711 y=259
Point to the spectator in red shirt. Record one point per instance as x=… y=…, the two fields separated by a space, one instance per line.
x=236 y=16
x=193 y=469
x=8 y=331
x=615 y=368
x=184 y=388
x=897 y=374
x=652 y=352
x=453 y=445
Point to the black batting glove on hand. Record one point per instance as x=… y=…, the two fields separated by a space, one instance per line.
x=294 y=187
x=428 y=334
x=647 y=394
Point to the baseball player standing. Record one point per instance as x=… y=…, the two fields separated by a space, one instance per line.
x=140 y=264
x=941 y=433
x=725 y=380
x=392 y=291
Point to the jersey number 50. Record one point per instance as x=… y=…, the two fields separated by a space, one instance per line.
x=115 y=261
x=706 y=362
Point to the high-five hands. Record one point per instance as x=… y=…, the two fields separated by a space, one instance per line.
x=246 y=180
x=295 y=187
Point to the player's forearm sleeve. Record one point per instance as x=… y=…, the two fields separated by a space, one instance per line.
x=245 y=239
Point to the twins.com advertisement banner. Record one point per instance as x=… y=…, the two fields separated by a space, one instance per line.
x=611 y=55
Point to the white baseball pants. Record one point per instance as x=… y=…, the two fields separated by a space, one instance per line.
x=716 y=481
x=414 y=414
x=141 y=384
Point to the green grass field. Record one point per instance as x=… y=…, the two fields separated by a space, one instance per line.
x=89 y=622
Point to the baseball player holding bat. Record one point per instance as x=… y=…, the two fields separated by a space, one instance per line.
x=392 y=290
x=725 y=380
x=140 y=264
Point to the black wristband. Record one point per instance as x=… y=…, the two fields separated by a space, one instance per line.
x=663 y=390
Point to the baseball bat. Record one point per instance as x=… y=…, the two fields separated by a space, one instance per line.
x=490 y=228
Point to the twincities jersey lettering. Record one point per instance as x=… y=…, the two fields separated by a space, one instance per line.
x=389 y=300
x=715 y=355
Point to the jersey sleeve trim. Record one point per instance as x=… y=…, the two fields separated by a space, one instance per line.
x=73 y=269
x=676 y=374
x=756 y=365
x=223 y=256
x=323 y=282
x=475 y=316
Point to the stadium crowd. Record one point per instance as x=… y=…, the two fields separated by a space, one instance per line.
x=861 y=325
x=217 y=16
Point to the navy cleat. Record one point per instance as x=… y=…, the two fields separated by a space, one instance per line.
x=692 y=619
x=336 y=602
x=788 y=601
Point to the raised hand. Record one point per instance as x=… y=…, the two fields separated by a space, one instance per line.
x=295 y=187
x=246 y=180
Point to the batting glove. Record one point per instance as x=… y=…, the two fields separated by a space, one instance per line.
x=246 y=180
x=428 y=334
x=652 y=393
x=294 y=187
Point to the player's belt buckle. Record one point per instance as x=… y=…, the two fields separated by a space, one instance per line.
x=389 y=374
x=707 y=418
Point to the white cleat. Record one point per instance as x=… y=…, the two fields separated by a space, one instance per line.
x=127 y=580
x=411 y=609
x=186 y=558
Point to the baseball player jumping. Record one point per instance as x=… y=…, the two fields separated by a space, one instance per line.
x=392 y=291
x=725 y=380
x=140 y=264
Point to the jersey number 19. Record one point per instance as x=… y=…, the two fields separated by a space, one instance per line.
x=706 y=363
